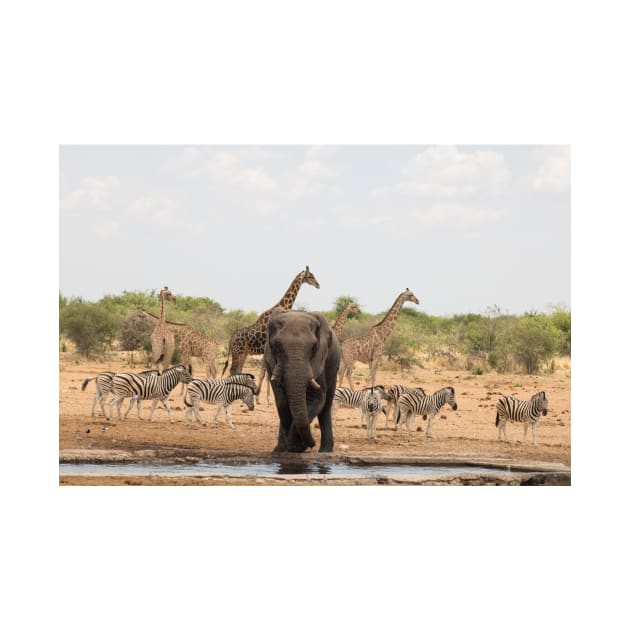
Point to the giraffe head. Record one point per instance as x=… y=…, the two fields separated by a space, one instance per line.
x=309 y=278
x=408 y=296
x=167 y=296
x=354 y=308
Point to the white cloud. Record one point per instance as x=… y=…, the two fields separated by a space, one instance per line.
x=92 y=191
x=553 y=173
x=446 y=172
x=456 y=216
x=230 y=168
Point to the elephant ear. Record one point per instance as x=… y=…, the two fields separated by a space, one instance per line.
x=323 y=332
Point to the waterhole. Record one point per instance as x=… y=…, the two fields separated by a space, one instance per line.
x=271 y=468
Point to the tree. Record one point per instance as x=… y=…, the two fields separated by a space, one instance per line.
x=91 y=327
x=135 y=334
x=534 y=340
x=342 y=301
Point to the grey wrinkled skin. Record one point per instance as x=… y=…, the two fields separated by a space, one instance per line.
x=302 y=360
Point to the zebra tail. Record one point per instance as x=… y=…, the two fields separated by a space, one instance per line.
x=186 y=400
x=496 y=424
x=225 y=366
x=158 y=359
x=85 y=382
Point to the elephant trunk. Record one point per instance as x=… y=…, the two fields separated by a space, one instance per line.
x=296 y=396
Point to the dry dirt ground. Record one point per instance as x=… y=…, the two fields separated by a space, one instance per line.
x=468 y=433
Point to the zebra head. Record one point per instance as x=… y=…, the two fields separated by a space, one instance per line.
x=539 y=402
x=373 y=400
x=450 y=398
x=180 y=372
x=309 y=278
x=244 y=392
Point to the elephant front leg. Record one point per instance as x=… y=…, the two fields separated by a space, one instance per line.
x=325 y=425
x=283 y=431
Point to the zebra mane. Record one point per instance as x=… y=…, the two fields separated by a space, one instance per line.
x=229 y=384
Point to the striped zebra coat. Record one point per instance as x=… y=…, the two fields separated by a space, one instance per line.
x=353 y=399
x=371 y=408
x=526 y=411
x=223 y=391
x=147 y=387
x=411 y=404
x=394 y=393
x=103 y=385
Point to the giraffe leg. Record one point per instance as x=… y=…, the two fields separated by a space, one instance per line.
x=349 y=369
x=261 y=378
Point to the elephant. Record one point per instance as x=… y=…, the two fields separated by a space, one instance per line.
x=302 y=355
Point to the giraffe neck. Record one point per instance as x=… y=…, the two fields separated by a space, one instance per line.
x=386 y=325
x=341 y=320
x=162 y=313
x=288 y=298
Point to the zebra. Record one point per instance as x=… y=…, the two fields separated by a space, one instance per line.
x=526 y=411
x=346 y=397
x=223 y=391
x=147 y=386
x=394 y=392
x=371 y=405
x=103 y=386
x=412 y=403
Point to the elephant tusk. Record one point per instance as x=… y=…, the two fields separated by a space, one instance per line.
x=275 y=377
x=314 y=384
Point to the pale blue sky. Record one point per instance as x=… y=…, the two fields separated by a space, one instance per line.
x=464 y=227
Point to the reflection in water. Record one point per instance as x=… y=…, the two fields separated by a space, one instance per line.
x=302 y=468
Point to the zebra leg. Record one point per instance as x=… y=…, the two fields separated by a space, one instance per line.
x=154 y=403
x=525 y=425
x=112 y=402
x=502 y=427
x=216 y=415
x=131 y=401
x=409 y=419
x=195 y=409
x=228 y=417
x=534 y=432
x=430 y=418
x=168 y=409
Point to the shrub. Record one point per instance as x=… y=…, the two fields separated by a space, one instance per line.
x=534 y=340
x=91 y=327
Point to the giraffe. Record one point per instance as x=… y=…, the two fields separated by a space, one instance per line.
x=252 y=339
x=339 y=324
x=162 y=338
x=193 y=343
x=369 y=346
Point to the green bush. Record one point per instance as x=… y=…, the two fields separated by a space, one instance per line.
x=534 y=340
x=91 y=327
